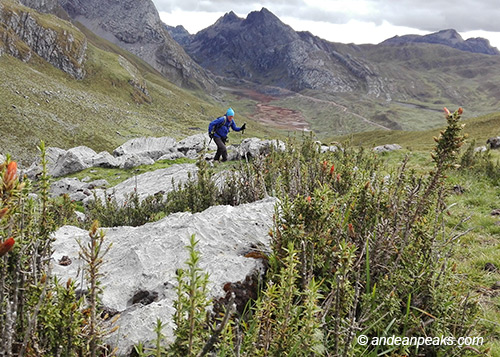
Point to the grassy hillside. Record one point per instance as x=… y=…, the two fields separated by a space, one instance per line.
x=121 y=97
x=478 y=129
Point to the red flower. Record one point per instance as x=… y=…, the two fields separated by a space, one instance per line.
x=447 y=112
x=308 y=199
x=460 y=111
x=11 y=173
x=6 y=246
x=332 y=169
x=3 y=212
x=350 y=229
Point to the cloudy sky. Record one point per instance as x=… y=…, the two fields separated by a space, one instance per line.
x=346 y=21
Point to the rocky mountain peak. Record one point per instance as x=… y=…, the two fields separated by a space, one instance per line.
x=228 y=18
x=136 y=27
x=179 y=34
x=264 y=50
x=262 y=16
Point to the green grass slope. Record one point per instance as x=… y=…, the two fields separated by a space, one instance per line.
x=121 y=97
x=479 y=129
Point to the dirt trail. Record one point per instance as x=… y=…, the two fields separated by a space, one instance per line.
x=344 y=109
x=285 y=118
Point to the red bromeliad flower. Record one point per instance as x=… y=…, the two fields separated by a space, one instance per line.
x=460 y=111
x=6 y=246
x=332 y=169
x=447 y=112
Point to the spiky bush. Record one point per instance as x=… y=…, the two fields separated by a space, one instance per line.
x=39 y=316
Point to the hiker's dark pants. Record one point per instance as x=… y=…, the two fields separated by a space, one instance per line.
x=221 y=149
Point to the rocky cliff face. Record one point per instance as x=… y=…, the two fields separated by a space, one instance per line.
x=136 y=27
x=449 y=38
x=48 y=6
x=264 y=50
x=26 y=31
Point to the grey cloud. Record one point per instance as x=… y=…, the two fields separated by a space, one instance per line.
x=428 y=15
x=238 y=6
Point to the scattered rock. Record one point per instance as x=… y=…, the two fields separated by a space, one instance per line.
x=490 y=267
x=197 y=143
x=496 y=286
x=73 y=160
x=145 y=151
x=105 y=159
x=459 y=190
x=252 y=147
x=494 y=142
x=495 y=212
x=76 y=189
x=133 y=160
x=150 y=147
x=332 y=148
x=387 y=148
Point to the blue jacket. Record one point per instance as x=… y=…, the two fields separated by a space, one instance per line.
x=221 y=126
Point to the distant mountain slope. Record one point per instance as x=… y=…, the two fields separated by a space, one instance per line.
x=136 y=27
x=449 y=38
x=264 y=50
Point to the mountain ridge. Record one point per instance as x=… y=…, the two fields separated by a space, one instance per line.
x=448 y=37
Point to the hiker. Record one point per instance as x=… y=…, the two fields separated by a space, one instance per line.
x=218 y=130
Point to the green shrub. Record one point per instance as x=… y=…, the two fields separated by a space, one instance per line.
x=38 y=315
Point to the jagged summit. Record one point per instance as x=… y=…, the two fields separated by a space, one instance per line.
x=228 y=18
x=448 y=37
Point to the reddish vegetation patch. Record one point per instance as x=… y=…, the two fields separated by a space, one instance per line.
x=280 y=117
x=273 y=115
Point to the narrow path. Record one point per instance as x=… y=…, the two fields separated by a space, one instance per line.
x=344 y=109
x=288 y=118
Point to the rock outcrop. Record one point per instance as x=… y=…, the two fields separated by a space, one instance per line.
x=139 y=274
x=27 y=31
x=150 y=183
x=144 y=151
x=136 y=27
x=47 y=6
x=387 y=148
